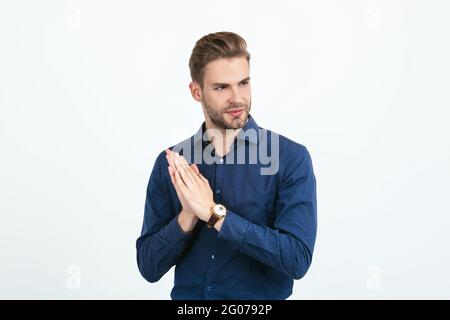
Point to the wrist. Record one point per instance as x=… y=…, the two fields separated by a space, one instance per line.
x=187 y=221
x=209 y=212
x=218 y=212
x=219 y=224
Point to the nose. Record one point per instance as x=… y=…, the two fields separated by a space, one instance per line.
x=236 y=96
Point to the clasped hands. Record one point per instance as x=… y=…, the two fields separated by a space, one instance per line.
x=192 y=188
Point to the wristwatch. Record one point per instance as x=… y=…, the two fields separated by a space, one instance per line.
x=217 y=212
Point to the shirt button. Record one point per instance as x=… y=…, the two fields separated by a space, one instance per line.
x=209 y=288
x=218 y=191
x=212 y=256
x=221 y=160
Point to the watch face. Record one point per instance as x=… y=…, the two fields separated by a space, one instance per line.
x=219 y=210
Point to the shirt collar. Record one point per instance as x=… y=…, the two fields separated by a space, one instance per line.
x=250 y=126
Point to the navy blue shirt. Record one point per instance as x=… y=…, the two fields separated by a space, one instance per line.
x=267 y=237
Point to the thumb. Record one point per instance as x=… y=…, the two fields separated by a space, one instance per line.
x=194 y=166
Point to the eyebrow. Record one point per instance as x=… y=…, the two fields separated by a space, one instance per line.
x=218 y=84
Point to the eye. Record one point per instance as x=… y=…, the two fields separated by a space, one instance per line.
x=244 y=83
x=217 y=88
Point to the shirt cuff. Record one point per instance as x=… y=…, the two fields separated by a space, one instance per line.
x=234 y=228
x=173 y=233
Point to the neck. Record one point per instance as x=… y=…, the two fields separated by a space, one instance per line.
x=221 y=138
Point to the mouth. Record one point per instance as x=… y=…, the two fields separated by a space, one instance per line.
x=235 y=112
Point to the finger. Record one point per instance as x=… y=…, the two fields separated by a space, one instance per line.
x=179 y=182
x=172 y=177
x=175 y=184
x=203 y=178
x=179 y=168
x=195 y=168
x=198 y=174
x=168 y=152
x=174 y=158
x=171 y=165
x=191 y=170
x=185 y=171
x=169 y=157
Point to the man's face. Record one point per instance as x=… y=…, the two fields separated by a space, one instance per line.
x=226 y=88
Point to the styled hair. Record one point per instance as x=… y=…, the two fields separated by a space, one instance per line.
x=214 y=46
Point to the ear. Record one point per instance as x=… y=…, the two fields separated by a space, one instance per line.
x=196 y=91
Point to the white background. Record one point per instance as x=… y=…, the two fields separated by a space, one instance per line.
x=92 y=91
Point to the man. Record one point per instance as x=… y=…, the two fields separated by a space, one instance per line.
x=233 y=230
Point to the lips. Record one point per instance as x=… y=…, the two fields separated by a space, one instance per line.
x=235 y=112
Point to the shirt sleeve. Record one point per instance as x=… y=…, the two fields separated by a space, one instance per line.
x=289 y=245
x=162 y=240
